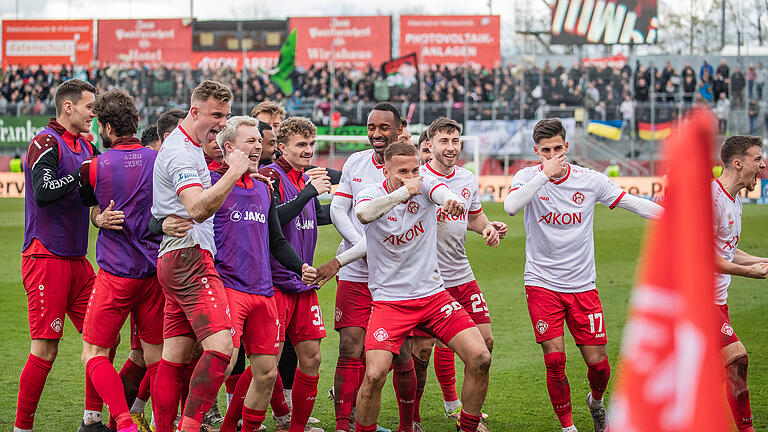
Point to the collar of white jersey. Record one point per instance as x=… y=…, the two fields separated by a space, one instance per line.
x=439 y=174
x=373 y=161
x=560 y=180
x=725 y=191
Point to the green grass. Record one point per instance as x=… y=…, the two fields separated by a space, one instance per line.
x=517 y=398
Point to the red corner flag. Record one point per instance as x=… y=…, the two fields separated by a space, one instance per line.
x=671 y=376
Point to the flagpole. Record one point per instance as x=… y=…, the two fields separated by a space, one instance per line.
x=422 y=89
x=331 y=149
x=244 y=81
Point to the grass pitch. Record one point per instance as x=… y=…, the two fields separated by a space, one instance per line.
x=517 y=398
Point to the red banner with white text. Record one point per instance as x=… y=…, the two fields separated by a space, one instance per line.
x=147 y=41
x=452 y=39
x=49 y=43
x=354 y=40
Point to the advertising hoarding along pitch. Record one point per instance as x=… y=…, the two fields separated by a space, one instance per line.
x=234 y=60
x=49 y=43
x=354 y=40
x=604 y=22
x=452 y=39
x=166 y=41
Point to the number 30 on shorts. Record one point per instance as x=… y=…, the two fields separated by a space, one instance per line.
x=449 y=308
x=318 y=319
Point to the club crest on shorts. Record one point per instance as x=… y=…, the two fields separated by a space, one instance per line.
x=578 y=198
x=56 y=325
x=541 y=327
x=337 y=315
x=727 y=329
x=466 y=193
x=413 y=207
x=381 y=335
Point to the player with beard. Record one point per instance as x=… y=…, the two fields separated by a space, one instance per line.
x=353 y=298
x=196 y=303
x=127 y=257
x=406 y=286
x=56 y=275
x=743 y=163
x=269 y=143
x=425 y=154
x=445 y=145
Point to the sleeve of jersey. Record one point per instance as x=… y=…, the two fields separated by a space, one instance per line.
x=352 y=254
x=475 y=207
x=370 y=207
x=608 y=193
x=183 y=172
x=323 y=212
x=88 y=181
x=345 y=188
x=524 y=188
x=43 y=159
x=437 y=191
x=640 y=206
x=340 y=206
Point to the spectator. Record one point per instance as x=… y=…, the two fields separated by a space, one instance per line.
x=723 y=110
x=719 y=86
x=723 y=68
x=627 y=109
x=705 y=69
x=689 y=87
x=737 y=87
x=761 y=76
x=754 y=114
x=751 y=75
x=705 y=88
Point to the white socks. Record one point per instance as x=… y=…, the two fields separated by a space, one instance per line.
x=570 y=429
x=91 y=417
x=594 y=403
x=452 y=405
x=138 y=406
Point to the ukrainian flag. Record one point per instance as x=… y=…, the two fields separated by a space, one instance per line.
x=659 y=131
x=610 y=129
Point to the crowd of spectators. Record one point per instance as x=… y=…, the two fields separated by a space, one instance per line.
x=607 y=93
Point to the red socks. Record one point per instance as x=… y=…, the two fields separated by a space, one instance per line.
x=445 y=370
x=231 y=382
x=252 y=419
x=107 y=383
x=165 y=394
x=404 y=379
x=303 y=397
x=558 y=387
x=598 y=375
x=131 y=375
x=92 y=400
x=738 y=392
x=31 y=383
x=345 y=385
x=277 y=402
x=420 y=368
x=186 y=376
x=468 y=422
x=235 y=409
x=361 y=428
x=203 y=388
x=146 y=382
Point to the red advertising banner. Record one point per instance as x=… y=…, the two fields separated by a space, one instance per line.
x=234 y=60
x=49 y=43
x=353 y=40
x=452 y=39
x=166 y=41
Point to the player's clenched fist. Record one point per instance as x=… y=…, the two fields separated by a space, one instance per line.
x=553 y=166
x=238 y=161
x=453 y=208
x=316 y=173
x=325 y=272
x=759 y=270
x=322 y=184
x=501 y=227
x=412 y=184
x=491 y=236
x=308 y=274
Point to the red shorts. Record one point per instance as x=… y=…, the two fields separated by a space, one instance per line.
x=727 y=335
x=582 y=312
x=473 y=301
x=135 y=341
x=113 y=298
x=255 y=320
x=353 y=304
x=55 y=287
x=195 y=300
x=392 y=321
x=300 y=316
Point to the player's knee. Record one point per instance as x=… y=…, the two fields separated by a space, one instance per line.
x=137 y=357
x=350 y=345
x=480 y=362
x=45 y=349
x=310 y=362
x=489 y=343
x=265 y=377
x=376 y=378
x=736 y=370
x=423 y=353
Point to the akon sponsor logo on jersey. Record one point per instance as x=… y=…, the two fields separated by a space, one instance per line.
x=442 y=217
x=553 y=218
x=407 y=236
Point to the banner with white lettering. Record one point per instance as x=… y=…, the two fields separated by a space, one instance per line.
x=49 y=43
x=358 y=41
x=604 y=22
x=151 y=41
x=452 y=39
x=500 y=137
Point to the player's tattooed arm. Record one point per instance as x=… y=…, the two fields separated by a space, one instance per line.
x=43 y=159
x=278 y=245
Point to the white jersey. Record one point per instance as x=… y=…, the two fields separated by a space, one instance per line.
x=180 y=164
x=360 y=170
x=401 y=246
x=452 y=231
x=559 y=244
x=727 y=219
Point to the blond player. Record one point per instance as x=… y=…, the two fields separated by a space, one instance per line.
x=559 y=201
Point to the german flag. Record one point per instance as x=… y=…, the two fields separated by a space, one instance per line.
x=658 y=131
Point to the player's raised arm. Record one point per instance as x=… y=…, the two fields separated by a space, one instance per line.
x=368 y=208
x=524 y=188
x=439 y=193
x=610 y=194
